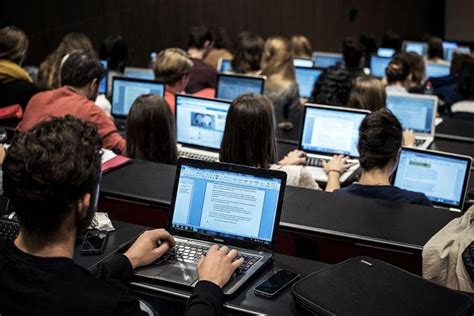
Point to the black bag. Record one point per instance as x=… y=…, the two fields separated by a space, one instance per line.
x=366 y=286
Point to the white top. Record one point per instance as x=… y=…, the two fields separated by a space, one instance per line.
x=297 y=176
x=104 y=104
x=396 y=89
x=463 y=106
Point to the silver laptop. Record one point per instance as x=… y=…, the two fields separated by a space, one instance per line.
x=328 y=131
x=421 y=48
x=225 y=204
x=224 y=65
x=325 y=59
x=416 y=112
x=306 y=78
x=442 y=177
x=200 y=124
x=230 y=86
x=139 y=73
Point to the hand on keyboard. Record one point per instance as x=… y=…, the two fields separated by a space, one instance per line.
x=218 y=265
x=294 y=157
x=338 y=163
x=408 y=138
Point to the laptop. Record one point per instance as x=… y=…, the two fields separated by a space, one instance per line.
x=224 y=65
x=200 y=124
x=416 y=112
x=126 y=90
x=139 y=73
x=224 y=204
x=421 y=48
x=325 y=60
x=448 y=52
x=442 y=177
x=385 y=52
x=434 y=70
x=230 y=86
x=103 y=83
x=329 y=131
x=306 y=78
x=378 y=64
x=303 y=62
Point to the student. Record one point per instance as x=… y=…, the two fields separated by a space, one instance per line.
x=436 y=51
x=50 y=70
x=417 y=70
x=301 y=47
x=249 y=139
x=16 y=85
x=280 y=87
x=81 y=74
x=248 y=54
x=380 y=141
x=150 y=130
x=220 y=47
x=51 y=176
x=369 y=43
x=367 y=93
x=203 y=76
x=398 y=75
x=392 y=40
x=114 y=49
x=466 y=90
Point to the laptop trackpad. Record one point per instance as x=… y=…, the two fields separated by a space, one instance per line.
x=177 y=272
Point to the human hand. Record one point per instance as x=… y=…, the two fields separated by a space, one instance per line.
x=294 y=157
x=338 y=164
x=218 y=265
x=408 y=138
x=149 y=247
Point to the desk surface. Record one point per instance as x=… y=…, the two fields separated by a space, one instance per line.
x=456 y=129
x=359 y=219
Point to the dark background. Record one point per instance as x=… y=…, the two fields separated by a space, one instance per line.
x=151 y=25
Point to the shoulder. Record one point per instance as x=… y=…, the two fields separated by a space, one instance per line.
x=412 y=197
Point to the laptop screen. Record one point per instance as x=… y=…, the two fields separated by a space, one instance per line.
x=440 y=177
x=225 y=65
x=103 y=82
x=199 y=121
x=230 y=87
x=448 y=52
x=437 y=70
x=125 y=91
x=378 y=64
x=325 y=60
x=226 y=204
x=331 y=131
x=414 y=112
x=306 y=78
x=418 y=47
x=139 y=73
x=303 y=62
x=385 y=52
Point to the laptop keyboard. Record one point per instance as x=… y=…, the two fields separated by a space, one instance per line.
x=419 y=142
x=196 y=156
x=315 y=162
x=9 y=229
x=190 y=253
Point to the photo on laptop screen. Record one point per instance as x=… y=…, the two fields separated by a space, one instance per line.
x=331 y=130
x=378 y=64
x=230 y=87
x=237 y=203
x=325 y=60
x=200 y=122
x=139 y=73
x=436 y=70
x=415 y=112
x=441 y=177
x=126 y=90
x=420 y=48
x=306 y=78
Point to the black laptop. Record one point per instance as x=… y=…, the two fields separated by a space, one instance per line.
x=224 y=204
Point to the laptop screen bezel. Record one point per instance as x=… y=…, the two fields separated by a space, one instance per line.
x=176 y=120
x=449 y=155
x=325 y=107
x=219 y=166
x=136 y=69
x=117 y=78
x=306 y=68
x=262 y=79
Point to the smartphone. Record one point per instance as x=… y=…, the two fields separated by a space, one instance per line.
x=274 y=284
x=94 y=242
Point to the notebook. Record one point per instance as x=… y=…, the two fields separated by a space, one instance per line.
x=225 y=204
x=231 y=86
x=200 y=124
x=325 y=60
x=306 y=78
x=139 y=73
x=421 y=48
x=442 y=177
x=416 y=112
x=328 y=131
x=378 y=64
x=303 y=62
x=434 y=70
x=224 y=65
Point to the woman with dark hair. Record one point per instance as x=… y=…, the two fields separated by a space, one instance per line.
x=466 y=89
x=248 y=53
x=398 y=75
x=150 y=130
x=380 y=141
x=436 y=51
x=367 y=93
x=249 y=139
x=417 y=70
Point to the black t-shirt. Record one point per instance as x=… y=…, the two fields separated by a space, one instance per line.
x=386 y=192
x=31 y=285
x=16 y=92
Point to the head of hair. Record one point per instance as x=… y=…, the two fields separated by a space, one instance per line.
x=435 y=48
x=352 y=52
x=397 y=70
x=301 y=47
x=417 y=66
x=114 y=49
x=81 y=68
x=220 y=37
x=457 y=63
x=198 y=36
x=380 y=138
x=466 y=83
x=13 y=44
x=150 y=130
x=171 y=65
x=49 y=169
x=367 y=93
x=277 y=58
x=249 y=135
x=369 y=42
x=392 y=40
x=247 y=53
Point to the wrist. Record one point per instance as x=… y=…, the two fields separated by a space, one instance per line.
x=334 y=173
x=133 y=261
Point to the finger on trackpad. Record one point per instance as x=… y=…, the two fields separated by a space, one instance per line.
x=177 y=274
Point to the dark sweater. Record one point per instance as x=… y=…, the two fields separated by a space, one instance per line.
x=202 y=76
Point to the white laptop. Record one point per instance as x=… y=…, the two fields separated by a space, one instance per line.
x=378 y=64
x=230 y=86
x=328 y=131
x=416 y=112
x=200 y=124
x=224 y=65
x=139 y=73
x=442 y=177
x=306 y=78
